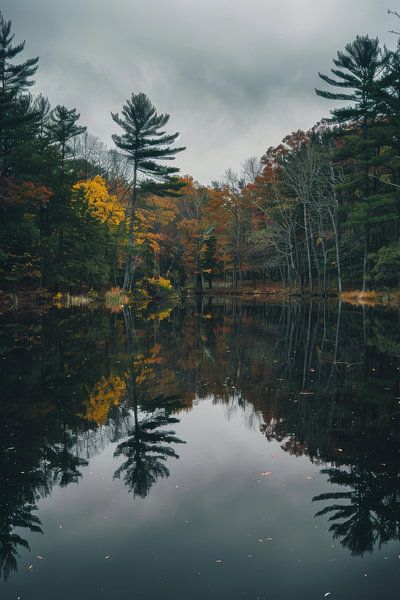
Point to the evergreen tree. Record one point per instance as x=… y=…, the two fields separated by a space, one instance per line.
x=14 y=80
x=145 y=144
x=357 y=70
x=360 y=71
x=63 y=127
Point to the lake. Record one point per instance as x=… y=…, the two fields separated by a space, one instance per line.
x=220 y=450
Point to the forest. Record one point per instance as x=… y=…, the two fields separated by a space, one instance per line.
x=200 y=379
x=319 y=213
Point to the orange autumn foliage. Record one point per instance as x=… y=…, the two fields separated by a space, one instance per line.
x=24 y=194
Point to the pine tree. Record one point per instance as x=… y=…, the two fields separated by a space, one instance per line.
x=360 y=71
x=14 y=80
x=145 y=144
x=63 y=128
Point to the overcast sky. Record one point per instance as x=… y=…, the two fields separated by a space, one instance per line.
x=235 y=75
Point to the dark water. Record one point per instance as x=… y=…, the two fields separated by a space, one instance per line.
x=224 y=451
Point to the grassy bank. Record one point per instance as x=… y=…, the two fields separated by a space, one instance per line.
x=388 y=298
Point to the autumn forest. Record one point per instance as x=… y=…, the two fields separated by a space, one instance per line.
x=199 y=324
x=318 y=213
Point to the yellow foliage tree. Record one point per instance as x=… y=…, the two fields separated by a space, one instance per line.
x=107 y=393
x=102 y=205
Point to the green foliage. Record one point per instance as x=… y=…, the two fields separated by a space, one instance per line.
x=15 y=105
x=358 y=70
x=386 y=269
x=159 y=288
x=143 y=139
x=62 y=127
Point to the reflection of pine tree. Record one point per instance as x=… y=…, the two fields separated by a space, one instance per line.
x=64 y=460
x=145 y=451
x=10 y=518
x=21 y=484
x=372 y=512
x=65 y=465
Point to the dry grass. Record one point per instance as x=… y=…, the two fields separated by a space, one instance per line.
x=358 y=297
x=71 y=301
x=372 y=298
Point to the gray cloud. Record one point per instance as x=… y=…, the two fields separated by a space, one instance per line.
x=235 y=75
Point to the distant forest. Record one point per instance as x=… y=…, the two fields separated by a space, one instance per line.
x=318 y=213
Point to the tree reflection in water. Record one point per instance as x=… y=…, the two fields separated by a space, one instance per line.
x=322 y=378
x=145 y=452
x=367 y=512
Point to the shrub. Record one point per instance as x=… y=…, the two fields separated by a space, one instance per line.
x=159 y=287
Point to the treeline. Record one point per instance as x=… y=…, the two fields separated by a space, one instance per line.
x=55 y=232
x=318 y=212
x=321 y=210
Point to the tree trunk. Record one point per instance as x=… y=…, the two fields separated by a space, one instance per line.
x=337 y=248
x=365 y=261
x=131 y=243
x=308 y=246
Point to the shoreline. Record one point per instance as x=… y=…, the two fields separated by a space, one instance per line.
x=43 y=299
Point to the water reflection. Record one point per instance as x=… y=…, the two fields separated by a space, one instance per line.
x=323 y=379
x=145 y=452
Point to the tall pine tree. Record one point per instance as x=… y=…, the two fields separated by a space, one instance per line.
x=359 y=71
x=145 y=144
x=15 y=78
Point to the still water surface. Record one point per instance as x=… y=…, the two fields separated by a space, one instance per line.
x=219 y=451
